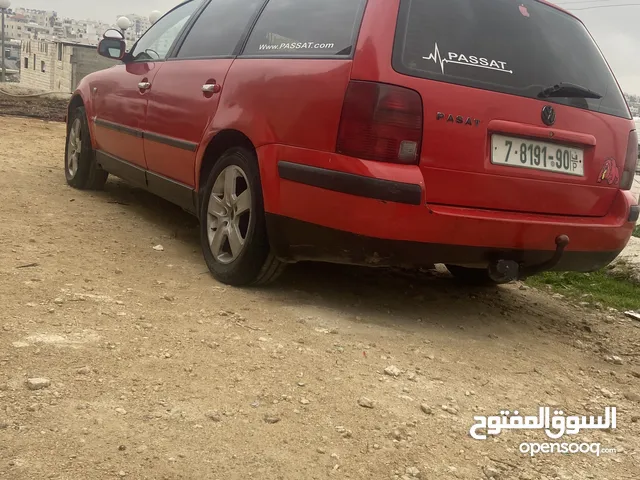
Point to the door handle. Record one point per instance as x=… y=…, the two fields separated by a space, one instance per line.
x=144 y=85
x=211 y=88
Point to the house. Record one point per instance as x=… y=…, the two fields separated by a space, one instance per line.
x=58 y=65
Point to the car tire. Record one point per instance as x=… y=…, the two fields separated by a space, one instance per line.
x=233 y=232
x=80 y=167
x=471 y=276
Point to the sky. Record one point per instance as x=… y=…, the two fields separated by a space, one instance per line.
x=616 y=30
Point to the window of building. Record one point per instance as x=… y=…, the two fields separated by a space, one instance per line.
x=34 y=61
x=60 y=47
x=26 y=62
x=219 y=28
x=309 y=28
x=42 y=67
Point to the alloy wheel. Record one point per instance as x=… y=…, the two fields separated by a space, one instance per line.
x=229 y=214
x=74 y=148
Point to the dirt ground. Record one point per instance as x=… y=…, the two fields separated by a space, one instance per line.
x=16 y=100
x=155 y=371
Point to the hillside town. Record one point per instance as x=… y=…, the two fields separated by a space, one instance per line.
x=634 y=104
x=45 y=51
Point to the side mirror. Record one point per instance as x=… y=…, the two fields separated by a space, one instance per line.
x=114 y=48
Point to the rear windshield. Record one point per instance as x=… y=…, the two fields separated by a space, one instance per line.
x=515 y=47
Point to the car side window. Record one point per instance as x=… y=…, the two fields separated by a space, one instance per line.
x=157 y=41
x=218 y=30
x=306 y=28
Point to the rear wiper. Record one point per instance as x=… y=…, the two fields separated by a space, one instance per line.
x=568 y=90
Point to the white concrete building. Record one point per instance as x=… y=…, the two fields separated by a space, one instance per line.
x=58 y=66
x=139 y=25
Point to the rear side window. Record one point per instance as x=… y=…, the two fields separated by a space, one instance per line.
x=219 y=28
x=306 y=28
x=518 y=48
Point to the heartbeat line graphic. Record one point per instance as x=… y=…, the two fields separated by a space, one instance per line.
x=435 y=56
x=438 y=59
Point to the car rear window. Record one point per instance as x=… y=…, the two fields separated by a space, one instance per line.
x=514 y=47
x=306 y=28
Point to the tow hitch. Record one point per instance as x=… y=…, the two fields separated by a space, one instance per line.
x=504 y=271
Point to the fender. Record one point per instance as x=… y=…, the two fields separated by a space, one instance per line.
x=234 y=115
x=280 y=101
x=83 y=92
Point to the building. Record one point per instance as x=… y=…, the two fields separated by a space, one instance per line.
x=23 y=24
x=58 y=66
x=15 y=27
x=139 y=25
x=12 y=60
x=41 y=17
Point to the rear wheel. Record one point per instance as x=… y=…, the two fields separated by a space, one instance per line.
x=80 y=167
x=471 y=276
x=233 y=232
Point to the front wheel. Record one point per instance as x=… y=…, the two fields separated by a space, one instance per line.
x=80 y=168
x=233 y=232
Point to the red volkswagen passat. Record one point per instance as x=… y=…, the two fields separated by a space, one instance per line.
x=488 y=135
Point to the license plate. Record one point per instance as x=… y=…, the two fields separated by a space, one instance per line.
x=524 y=153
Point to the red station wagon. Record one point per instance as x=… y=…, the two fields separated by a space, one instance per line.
x=487 y=135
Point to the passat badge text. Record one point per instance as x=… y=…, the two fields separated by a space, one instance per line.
x=468 y=60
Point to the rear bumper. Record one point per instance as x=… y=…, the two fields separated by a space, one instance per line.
x=295 y=241
x=324 y=206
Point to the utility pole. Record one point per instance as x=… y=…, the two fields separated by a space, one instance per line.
x=4 y=5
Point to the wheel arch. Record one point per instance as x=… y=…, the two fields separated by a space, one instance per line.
x=217 y=145
x=75 y=102
x=78 y=100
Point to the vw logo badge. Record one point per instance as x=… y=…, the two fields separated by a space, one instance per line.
x=548 y=115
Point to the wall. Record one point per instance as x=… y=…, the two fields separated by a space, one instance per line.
x=64 y=64
x=86 y=60
x=31 y=77
x=63 y=70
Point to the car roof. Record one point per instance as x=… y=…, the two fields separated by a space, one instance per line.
x=558 y=7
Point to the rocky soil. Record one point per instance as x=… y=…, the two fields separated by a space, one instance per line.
x=15 y=100
x=121 y=360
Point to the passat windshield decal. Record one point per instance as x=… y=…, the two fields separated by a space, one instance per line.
x=468 y=60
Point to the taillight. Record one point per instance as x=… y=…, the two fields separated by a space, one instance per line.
x=630 y=162
x=381 y=122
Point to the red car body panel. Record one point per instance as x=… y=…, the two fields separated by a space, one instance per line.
x=115 y=95
x=290 y=110
x=425 y=223
x=179 y=109
x=282 y=101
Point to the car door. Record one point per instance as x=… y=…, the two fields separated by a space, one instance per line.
x=185 y=93
x=120 y=95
